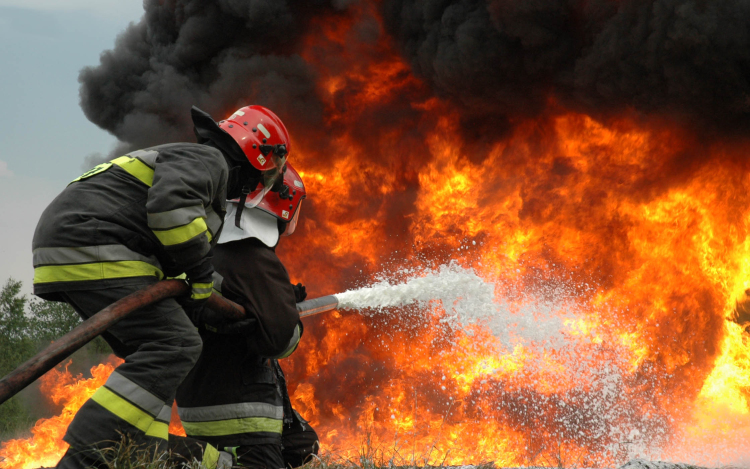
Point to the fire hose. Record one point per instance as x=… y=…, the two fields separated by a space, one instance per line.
x=85 y=332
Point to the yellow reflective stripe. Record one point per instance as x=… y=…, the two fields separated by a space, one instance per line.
x=136 y=168
x=201 y=290
x=95 y=271
x=182 y=233
x=158 y=430
x=232 y=427
x=93 y=171
x=124 y=410
x=210 y=457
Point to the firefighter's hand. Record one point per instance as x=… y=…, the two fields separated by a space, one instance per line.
x=201 y=283
x=299 y=292
x=244 y=327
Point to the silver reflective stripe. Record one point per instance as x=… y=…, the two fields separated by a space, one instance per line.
x=292 y=344
x=174 y=218
x=134 y=393
x=218 y=279
x=230 y=411
x=202 y=291
x=89 y=254
x=165 y=415
x=147 y=156
x=213 y=221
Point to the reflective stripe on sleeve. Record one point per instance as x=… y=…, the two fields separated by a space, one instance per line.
x=201 y=291
x=175 y=218
x=89 y=254
x=139 y=164
x=128 y=412
x=95 y=271
x=293 y=342
x=147 y=156
x=136 y=168
x=183 y=233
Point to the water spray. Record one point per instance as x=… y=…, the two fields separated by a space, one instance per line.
x=429 y=287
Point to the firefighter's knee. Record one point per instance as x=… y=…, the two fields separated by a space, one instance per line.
x=192 y=347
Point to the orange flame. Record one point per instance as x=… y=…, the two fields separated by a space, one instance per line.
x=629 y=236
x=45 y=447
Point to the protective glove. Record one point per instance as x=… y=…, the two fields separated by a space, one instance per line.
x=200 y=278
x=242 y=327
x=299 y=292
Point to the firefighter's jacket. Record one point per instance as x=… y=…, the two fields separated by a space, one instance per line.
x=151 y=213
x=232 y=397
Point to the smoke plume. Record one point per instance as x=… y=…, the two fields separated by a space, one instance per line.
x=685 y=59
x=218 y=55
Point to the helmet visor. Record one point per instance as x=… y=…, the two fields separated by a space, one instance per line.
x=272 y=181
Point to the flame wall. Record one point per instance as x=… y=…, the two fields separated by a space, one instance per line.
x=586 y=157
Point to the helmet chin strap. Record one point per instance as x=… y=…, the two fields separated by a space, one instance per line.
x=246 y=190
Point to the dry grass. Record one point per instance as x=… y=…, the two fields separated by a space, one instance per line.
x=126 y=454
x=376 y=457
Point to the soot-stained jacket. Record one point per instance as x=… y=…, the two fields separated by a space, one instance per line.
x=232 y=396
x=149 y=213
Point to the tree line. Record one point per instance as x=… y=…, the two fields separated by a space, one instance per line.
x=27 y=326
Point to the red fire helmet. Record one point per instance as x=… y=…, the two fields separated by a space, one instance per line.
x=286 y=203
x=260 y=134
x=265 y=142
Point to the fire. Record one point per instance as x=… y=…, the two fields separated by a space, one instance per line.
x=635 y=231
x=45 y=447
x=621 y=241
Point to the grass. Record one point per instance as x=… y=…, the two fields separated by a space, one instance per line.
x=126 y=454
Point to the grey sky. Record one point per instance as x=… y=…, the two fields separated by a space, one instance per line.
x=44 y=136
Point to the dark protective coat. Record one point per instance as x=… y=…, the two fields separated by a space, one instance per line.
x=119 y=227
x=141 y=216
x=232 y=396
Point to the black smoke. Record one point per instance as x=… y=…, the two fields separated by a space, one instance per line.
x=216 y=54
x=687 y=60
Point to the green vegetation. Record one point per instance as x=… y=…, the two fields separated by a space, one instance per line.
x=26 y=327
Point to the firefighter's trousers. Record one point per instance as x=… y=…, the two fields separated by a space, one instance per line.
x=160 y=345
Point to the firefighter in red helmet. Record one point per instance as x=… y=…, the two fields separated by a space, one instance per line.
x=128 y=223
x=235 y=398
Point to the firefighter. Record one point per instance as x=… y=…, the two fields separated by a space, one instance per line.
x=235 y=398
x=128 y=223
